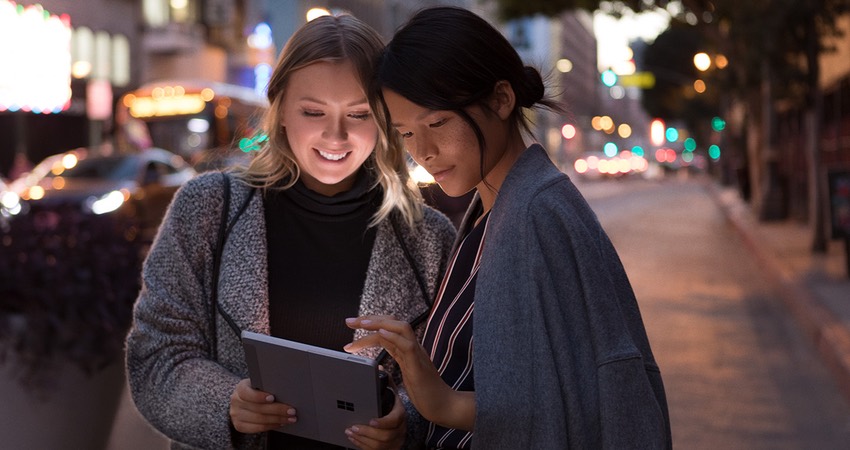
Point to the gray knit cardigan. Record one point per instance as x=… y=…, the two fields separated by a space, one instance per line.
x=562 y=360
x=182 y=390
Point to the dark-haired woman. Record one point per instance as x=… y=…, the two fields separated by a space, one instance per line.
x=535 y=340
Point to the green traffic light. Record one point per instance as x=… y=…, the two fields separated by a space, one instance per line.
x=714 y=152
x=718 y=124
x=609 y=78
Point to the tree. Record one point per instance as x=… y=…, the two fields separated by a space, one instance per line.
x=774 y=47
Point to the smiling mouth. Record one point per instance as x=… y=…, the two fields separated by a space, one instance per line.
x=440 y=175
x=332 y=156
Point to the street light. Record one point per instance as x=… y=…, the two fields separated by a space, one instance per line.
x=564 y=65
x=702 y=61
x=315 y=13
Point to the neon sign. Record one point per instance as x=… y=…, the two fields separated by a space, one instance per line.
x=169 y=101
x=35 y=59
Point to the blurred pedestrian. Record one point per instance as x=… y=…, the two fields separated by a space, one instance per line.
x=535 y=340
x=336 y=229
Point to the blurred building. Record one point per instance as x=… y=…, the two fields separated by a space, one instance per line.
x=102 y=49
x=384 y=15
x=564 y=50
x=62 y=63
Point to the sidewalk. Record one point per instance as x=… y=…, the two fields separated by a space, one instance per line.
x=814 y=287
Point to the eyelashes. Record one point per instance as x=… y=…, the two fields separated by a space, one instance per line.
x=437 y=124
x=355 y=115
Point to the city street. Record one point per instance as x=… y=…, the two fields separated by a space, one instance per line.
x=738 y=372
x=717 y=160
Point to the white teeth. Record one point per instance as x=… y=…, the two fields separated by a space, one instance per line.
x=333 y=156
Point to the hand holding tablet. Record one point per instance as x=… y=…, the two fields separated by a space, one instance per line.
x=330 y=390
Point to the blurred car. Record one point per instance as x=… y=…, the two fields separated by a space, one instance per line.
x=596 y=165
x=138 y=186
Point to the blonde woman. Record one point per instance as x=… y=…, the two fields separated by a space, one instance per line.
x=326 y=225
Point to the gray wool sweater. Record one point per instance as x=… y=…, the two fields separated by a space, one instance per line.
x=182 y=390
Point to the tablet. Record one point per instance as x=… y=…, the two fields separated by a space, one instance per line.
x=331 y=390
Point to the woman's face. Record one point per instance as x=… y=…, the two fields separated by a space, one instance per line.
x=328 y=124
x=443 y=142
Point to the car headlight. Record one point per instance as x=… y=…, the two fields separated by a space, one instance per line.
x=106 y=203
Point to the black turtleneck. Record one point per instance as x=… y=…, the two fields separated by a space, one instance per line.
x=318 y=253
x=319 y=249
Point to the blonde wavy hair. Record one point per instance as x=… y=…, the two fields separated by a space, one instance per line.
x=334 y=38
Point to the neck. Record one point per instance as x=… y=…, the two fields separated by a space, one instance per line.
x=488 y=189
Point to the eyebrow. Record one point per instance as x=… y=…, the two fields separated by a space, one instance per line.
x=321 y=102
x=421 y=116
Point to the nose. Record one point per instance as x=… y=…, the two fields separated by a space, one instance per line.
x=421 y=148
x=335 y=131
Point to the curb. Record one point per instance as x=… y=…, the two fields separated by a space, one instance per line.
x=826 y=332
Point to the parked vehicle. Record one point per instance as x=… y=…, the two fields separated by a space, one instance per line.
x=210 y=124
x=137 y=186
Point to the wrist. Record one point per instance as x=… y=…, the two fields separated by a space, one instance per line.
x=457 y=411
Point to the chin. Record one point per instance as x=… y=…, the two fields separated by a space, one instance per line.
x=453 y=192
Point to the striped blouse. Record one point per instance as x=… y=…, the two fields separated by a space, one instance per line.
x=448 y=336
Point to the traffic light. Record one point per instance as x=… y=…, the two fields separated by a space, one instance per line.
x=610 y=149
x=718 y=124
x=609 y=78
x=714 y=152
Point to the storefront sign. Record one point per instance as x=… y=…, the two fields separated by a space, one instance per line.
x=35 y=59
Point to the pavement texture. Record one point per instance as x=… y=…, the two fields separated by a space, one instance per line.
x=815 y=287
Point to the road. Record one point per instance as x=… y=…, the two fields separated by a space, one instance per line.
x=738 y=372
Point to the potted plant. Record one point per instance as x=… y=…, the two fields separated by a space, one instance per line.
x=68 y=281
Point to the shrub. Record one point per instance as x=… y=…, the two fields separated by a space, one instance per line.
x=68 y=281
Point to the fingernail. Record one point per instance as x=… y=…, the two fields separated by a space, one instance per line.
x=373 y=423
x=291 y=411
x=365 y=322
x=355 y=429
x=383 y=331
x=348 y=432
x=270 y=398
x=293 y=419
x=346 y=347
x=351 y=320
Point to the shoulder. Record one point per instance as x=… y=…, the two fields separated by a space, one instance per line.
x=434 y=233
x=436 y=222
x=532 y=183
x=539 y=196
x=204 y=185
x=208 y=188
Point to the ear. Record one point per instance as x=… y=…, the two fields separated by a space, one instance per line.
x=504 y=99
